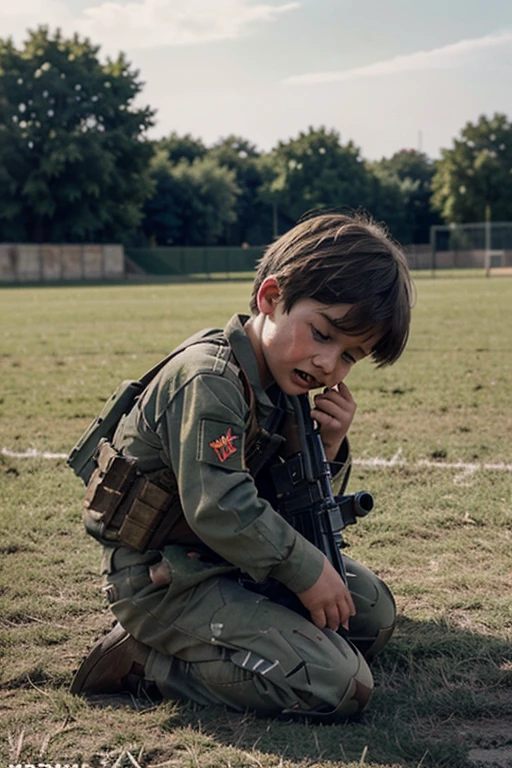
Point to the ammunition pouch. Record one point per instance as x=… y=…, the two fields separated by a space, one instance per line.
x=260 y=448
x=123 y=506
x=82 y=457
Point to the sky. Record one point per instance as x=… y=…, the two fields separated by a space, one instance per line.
x=386 y=74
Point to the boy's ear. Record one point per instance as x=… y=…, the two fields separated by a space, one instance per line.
x=268 y=296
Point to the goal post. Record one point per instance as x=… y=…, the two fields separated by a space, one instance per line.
x=485 y=245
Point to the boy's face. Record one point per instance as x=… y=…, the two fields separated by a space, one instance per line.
x=303 y=350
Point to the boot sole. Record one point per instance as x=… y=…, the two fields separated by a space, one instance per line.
x=97 y=665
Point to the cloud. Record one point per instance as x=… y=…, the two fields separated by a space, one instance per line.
x=149 y=23
x=132 y=25
x=447 y=57
x=17 y=17
x=166 y=22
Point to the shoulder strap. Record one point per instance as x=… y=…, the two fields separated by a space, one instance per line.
x=81 y=458
x=197 y=338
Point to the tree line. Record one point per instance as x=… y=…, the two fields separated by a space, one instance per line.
x=76 y=165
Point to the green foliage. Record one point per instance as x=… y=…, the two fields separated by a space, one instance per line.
x=252 y=224
x=76 y=166
x=315 y=171
x=73 y=159
x=389 y=202
x=406 y=178
x=181 y=147
x=474 y=177
x=195 y=185
x=193 y=202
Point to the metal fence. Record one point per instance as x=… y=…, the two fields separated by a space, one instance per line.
x=485 y=245
x=471 y=246
x=201 y=262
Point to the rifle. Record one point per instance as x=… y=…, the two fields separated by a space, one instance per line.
x=306 y=500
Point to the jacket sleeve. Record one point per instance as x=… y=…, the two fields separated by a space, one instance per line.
x=203 y=427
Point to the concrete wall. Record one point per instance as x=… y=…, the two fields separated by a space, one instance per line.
x=27 y=263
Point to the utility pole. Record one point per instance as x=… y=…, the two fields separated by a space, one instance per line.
x=487 y=240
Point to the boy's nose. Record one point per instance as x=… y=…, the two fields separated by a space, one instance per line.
x=333 y=368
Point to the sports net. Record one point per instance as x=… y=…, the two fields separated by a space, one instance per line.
x=486 y=245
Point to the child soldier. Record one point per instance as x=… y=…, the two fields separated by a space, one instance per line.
x=194 y=457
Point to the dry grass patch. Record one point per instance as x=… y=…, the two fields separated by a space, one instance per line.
x=441 y=537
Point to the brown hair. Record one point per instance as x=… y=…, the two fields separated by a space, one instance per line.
x=339 y=259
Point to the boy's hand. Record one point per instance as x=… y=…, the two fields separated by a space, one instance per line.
x=334 y=410
x=160 y=574
x=328 y=600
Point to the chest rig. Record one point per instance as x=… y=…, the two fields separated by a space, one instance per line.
x=126 y=507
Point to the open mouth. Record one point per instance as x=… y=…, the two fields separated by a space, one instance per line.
x=307 y=378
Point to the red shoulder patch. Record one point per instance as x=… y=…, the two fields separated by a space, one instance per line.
x=224 y=445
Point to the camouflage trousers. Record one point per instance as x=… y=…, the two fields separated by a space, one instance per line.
x=214 y=641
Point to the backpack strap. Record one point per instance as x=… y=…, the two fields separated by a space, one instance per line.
x=197 y=338
x=81 y=458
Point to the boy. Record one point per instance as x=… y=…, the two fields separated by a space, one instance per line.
x=333 y=290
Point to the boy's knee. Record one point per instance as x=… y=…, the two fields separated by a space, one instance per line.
x=339 y=682
x=358 y=693
x=347 y=693
x=372 y=626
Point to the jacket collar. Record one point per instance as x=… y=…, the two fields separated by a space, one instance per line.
x=244 y=353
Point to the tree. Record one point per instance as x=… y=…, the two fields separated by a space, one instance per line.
x=73 y=154
x=315 y=171
x=192 y=203
x=271 y=196
x=241 y=156
x=388 y=202
x=475 y=176
x=412 y=172
x=181 y=147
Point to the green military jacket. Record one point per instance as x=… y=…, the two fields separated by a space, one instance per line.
x=193 y=418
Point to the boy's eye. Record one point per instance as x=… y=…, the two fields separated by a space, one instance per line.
x=348 y=358
x=319 y=335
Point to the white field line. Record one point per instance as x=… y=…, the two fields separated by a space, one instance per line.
x=373 y=463
x=33 y=453
x=399 y=461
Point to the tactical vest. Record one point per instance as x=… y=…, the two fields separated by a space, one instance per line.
x=126 y=507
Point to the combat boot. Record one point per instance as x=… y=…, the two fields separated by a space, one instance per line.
x=115 y=664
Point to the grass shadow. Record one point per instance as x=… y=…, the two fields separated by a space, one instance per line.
x=431 y=681
x=437 y=686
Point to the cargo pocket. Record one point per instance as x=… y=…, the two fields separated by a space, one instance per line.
x=188 y=569
x=128 y=583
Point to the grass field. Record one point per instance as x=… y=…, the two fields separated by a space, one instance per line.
x=432 y=443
